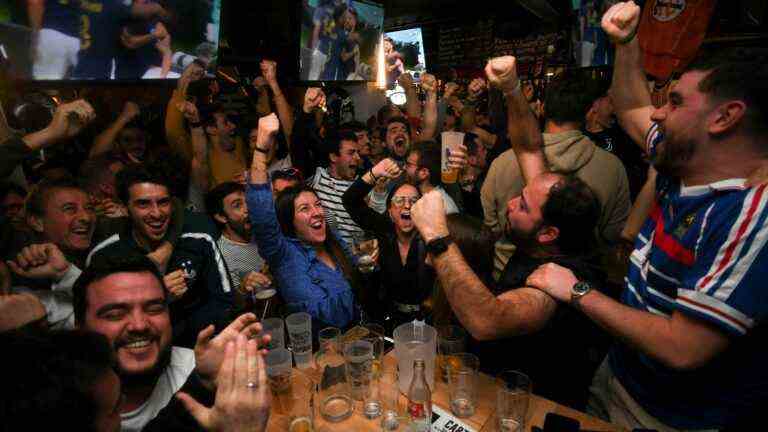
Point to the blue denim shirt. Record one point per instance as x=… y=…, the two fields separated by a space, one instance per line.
x=306 y=283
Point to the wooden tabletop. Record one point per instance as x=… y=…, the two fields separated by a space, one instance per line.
x=482 y=420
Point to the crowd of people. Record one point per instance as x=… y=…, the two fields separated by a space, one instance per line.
x=127 y=289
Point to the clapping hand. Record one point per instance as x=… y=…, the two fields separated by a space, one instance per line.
x=209 y=350
x=242 y=396
x=620 y=21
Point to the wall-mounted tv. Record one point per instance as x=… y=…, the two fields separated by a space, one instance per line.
x=107 y=39
x=339 y=39
x=404 y=52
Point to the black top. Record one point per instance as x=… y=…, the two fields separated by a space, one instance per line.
x=408 y=284
x=616 y=141
x=561 y=358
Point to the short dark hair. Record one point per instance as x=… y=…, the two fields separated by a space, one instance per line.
x=354 y=126
x=567 y=100
x=8 y=188
x=429 y=153
x=574 y=209
x=134 y=174
x=39 y=194
x=49 y=378
x=397 y=119
x=214 y=200
x=472 y=143
x=333 y=140
x=739 y=74
x=93 y=171
x=106 y=264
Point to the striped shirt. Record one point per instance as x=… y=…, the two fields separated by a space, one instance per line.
x=241 y=258
x=330 y=190
x=702 y=253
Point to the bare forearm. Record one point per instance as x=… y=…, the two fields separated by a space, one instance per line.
x=640 y=209
x=35 y=11
x=671 y=341
x=262 y=104
x=38 y=140
x=430 y=116
x=524 y=135
x=166 y=66
x=104 y=142
x=485 y=316
x=412 y=103
x=200 y=168
x=629 y=91
x=284 y=111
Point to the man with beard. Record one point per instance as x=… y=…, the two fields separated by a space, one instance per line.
x=330 y=182
x=226 y=206
x=195 y=273
x=690 y=321
x=123 y=299
x=422 y=168
x=550 y=220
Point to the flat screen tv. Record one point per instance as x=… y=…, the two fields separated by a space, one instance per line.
x=404 y=52
x=339 y=40
x=105 y=40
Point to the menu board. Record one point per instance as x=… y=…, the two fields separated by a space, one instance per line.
x=465 y=44
x=530 y=51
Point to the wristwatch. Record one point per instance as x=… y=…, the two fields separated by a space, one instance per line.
x=438 y=246
x=579 y=290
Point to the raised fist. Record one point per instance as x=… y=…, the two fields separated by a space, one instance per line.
x=130 y=111
x=259 y=82
x=476 y=88
x=190 y=112
x=269 y=70
x=71 y=118
x=502 y=72
x=405 y=80
x=269 y=124
x=621 y=20
x=450 y=89
x=387 y=168
x=428 y=83
x=313 y=98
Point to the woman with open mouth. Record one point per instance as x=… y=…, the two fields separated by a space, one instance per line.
x=313 y=269
x=406 y=282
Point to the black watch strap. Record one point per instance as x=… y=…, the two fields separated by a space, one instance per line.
x=438 y=246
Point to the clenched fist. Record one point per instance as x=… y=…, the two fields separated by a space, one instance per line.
x=621 y=20
x=476 y=88
x=313 y=98
x=428 y=83
x=269 y=124
x=428 y=215
x=405 y=80
x=387 y=168
x=502 y=73
x=269 y=70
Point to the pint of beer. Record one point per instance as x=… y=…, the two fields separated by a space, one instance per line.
x=450 y=141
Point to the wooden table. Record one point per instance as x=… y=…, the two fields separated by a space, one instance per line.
x=483 y=420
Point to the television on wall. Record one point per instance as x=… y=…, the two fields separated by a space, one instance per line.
x=339 y=40
x=404 y=52
x=106 y=40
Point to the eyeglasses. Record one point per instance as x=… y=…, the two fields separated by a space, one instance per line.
x=401 y=200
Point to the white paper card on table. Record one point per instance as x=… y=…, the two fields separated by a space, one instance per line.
x=444 y=421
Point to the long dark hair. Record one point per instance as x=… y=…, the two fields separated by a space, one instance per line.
x=285 y=207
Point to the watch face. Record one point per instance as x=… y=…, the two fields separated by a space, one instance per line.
x=581 y=287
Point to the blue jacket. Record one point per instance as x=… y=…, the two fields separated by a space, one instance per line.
x=306 y=283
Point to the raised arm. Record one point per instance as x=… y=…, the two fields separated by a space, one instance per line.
x=178 y=138
x=629 y=89
x=284 y=111
x=354 y=197
x=429 y=129
x=105 y=141
x=640 y=209
x=485 y=316
x=412 y=103
x=522 y=126
x=35 y=11
x=306 y=139
x=200 y=171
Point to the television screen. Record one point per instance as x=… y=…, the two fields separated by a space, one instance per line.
x=404 y=52
x=107 y=39
x=339 y=39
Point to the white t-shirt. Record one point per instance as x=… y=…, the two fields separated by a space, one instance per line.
x=450 y=204
x=173 y=378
